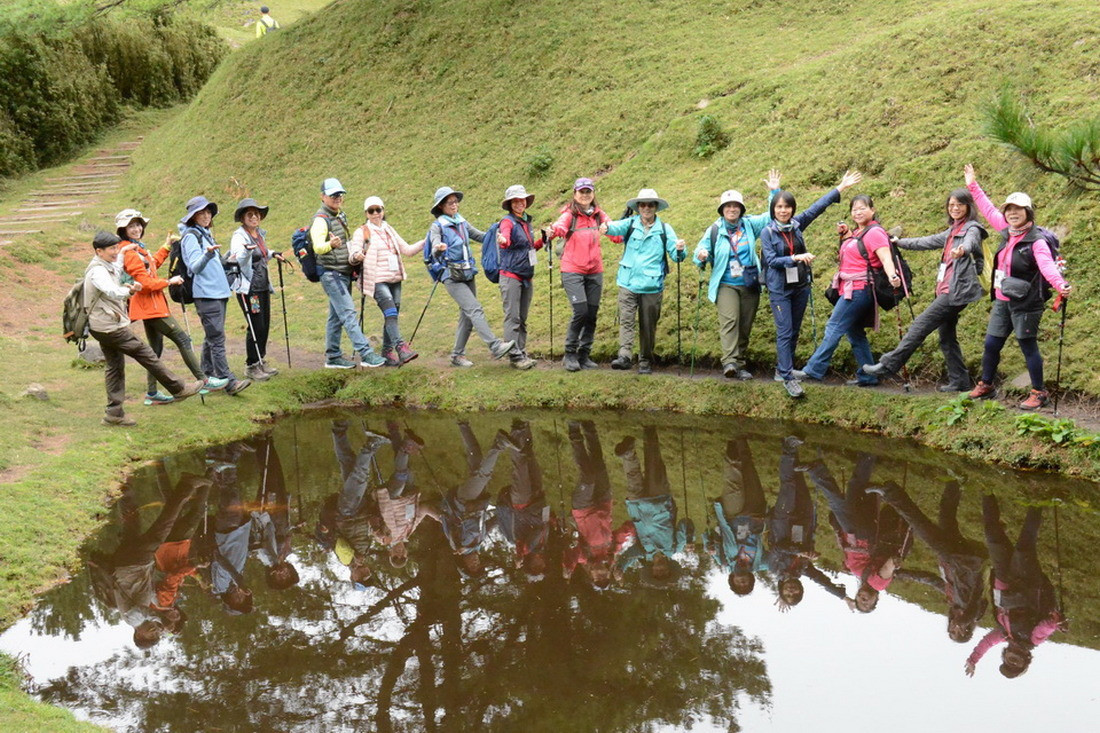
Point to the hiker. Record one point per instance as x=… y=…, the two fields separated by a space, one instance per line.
x=329 y=235
x=581 y=223
x=523 y=516
x=149 y=305
x=648 y=243
x=232 y=531
x=789 y=274
x=104 y=298
x=729 y=247
x=210 y=289
x=517 y=269
x=248 y=248
x=1023 y=597
x=737 y=542
x=855 y=307
x=399 y=506
x=271 y=527
x=175 y=558
x=266 y=23
x=379 y=248
x=451 y=261
x=658 y=535
x=1023 y=266
x=961 y=262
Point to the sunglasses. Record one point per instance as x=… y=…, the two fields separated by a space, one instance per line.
x=337 y=195
x=647 y=204
x=374 y=210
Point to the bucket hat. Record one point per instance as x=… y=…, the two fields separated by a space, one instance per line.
x=583 y=183
x=249 y=204
x=441 y=193
x=1018 y=199
x=373 y=201
x=332 y=186
x=647 y=194
x=196 y=205
x=731 y=197
x=124 y=217
x=516 y=192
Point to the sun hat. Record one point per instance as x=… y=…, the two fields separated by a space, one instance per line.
x=124 y=217
x=373 y=201
x=583 y=183
x=1018 y=199
x=196 y=205
x=245 y=204
x=647 y=194
x=441 y=193
x=516 y=192
x=331 y=187
x=731 y=197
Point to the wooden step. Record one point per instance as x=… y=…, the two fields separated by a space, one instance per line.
x=52 y=216
x=83 y=177
x=44 y=205
x=18 y=232
x=109 y=157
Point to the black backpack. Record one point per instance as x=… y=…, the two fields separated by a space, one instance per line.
x=178 y=268
x=886 y=295
x=664 y=244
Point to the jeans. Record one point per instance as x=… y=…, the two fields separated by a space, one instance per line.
x=584 y=293
x=848 y=319
x=939 y=314
x=515 y=295
x=788 y=308
x=116 y=346
x=156 y=330
x=341 y=315
x=212 y=314
x=388 y=298
x=471 y=316
x=257 y=318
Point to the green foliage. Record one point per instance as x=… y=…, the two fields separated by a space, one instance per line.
x=956 y=409
x=539 y=162
x=1057 y=431
x=709 y=137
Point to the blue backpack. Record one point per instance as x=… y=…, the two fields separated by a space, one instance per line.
x=302 y=246
x=435 y=263
x=490 y=254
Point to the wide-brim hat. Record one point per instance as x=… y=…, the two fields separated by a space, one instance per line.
x=731 y=197
x=516 y=192
x=246 y=204
x=1020 y=199
x=124 y=217
x=196 y=205
x=647 y=194
x=647 y=579
x=440 y=194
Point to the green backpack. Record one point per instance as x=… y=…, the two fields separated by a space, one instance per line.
x=74 y=316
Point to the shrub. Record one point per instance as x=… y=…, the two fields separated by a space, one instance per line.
x=710 y=137
x=539 y=162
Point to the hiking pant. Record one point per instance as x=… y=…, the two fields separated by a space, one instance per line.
x=481 y=469
x=593 y=483
x=471 y=317
x=788 y=308
x=355 y=480
x=116 y=346
x=584 y=292
x=341 y=317
x=857 y=513
x=136 y=547
x=941 y=315
x=516 y=296
x=156 y=330
x=744 y=494
x=1016 y=566
x=736 y=311
x=387 y=296
x=794 y=507
x=944 y=538
x=526 y=476
x=645 y=310
x=256 y=308
x=848 y=319
x=1025 y=325
x=212 y=314
x=654 y=482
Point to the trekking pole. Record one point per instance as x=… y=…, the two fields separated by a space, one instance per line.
x=362 y=307
x=813 y=311
x=695 y=330
x=679 y=347
x=1058 y=558
x=187 y=325
x=426 y=304
x=251 y=330
x=286 y=331
x=550 y=286
x=1063 y=303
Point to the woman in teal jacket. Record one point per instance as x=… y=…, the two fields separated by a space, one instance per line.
x=641 y=279
x=735 y=280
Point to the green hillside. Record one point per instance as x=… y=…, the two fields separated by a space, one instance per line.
x=397 y=98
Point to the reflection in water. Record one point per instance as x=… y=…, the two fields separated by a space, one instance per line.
x=413 y=582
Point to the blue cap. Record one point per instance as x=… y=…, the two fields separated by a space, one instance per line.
x=331 y=186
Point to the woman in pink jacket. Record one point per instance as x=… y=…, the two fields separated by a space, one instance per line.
x=1022 y=267
x=380 y=248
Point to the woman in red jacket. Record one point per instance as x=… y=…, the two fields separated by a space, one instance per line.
x=149 y=304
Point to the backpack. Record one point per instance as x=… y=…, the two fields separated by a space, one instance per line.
x=886 y=296
x=434 y=262
x=490 y=253
x=177 y=267
x=74 y=316
x=1055 y=252
x=664 y=244
x=302 y=246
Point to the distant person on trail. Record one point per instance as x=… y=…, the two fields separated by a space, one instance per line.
x=1024 y=271
x=248 y=248
x=149 y=305
x=729 y=247
x=517 y=244
x=379 y=248
x=451 y=261
x=961 y=262
x=210 y=288
x=104 y=297
x=789 y=274
x=581 y=223
x=330 y=236
x=266 y=23
x=648 y=243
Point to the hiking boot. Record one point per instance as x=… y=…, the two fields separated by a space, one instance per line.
x=118 y=421
x=857 y=382
x=503 y=349
x=744 y=375
x=729 y=371
x=256 y=373
x=570 y=362
x=644 y=367
x=875 y=370
x=585 y=361
x=405 y=353
x=1035 y=400
x=339 y=363
x=371 y=360
x=159 y=398
x=271 y=371
x=983 y=391
x=794 y=388
x=190 y=390
x=953 y=388
x=503 y=440
x=624 y=446
x=238 y=386
x=391 y=358
x=458 y=360
x=213 y=384
x=374 y=441
x=622 y=363
x=792 y=442
x=777 y=377
x=523 y=362
x=802 y=376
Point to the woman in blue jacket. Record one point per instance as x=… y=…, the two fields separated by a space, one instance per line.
x=729 y=246
x=648 y=242
x=789 y=274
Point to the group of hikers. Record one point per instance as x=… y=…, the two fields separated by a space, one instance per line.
x=376 y=514
x=745 y=254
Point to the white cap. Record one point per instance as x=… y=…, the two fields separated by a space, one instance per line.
x=373 y=201
x=1018 y=199
x=332 y=186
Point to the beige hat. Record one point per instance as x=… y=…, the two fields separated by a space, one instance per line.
x=124 y=217
x=373 y=201
x=516 y=192
x=647 y=194
x=1018 y=199
x=731 y=197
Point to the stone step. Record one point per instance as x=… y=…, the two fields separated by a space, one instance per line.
x=52 y=216
x=83 y=177
x=46 y=205
x=18 y=232
x=100 y=167
x=110 y=157
x=70 y=192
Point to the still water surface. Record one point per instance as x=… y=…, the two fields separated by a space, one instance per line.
x=423 y=571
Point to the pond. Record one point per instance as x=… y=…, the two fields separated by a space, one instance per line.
x=539 y=571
